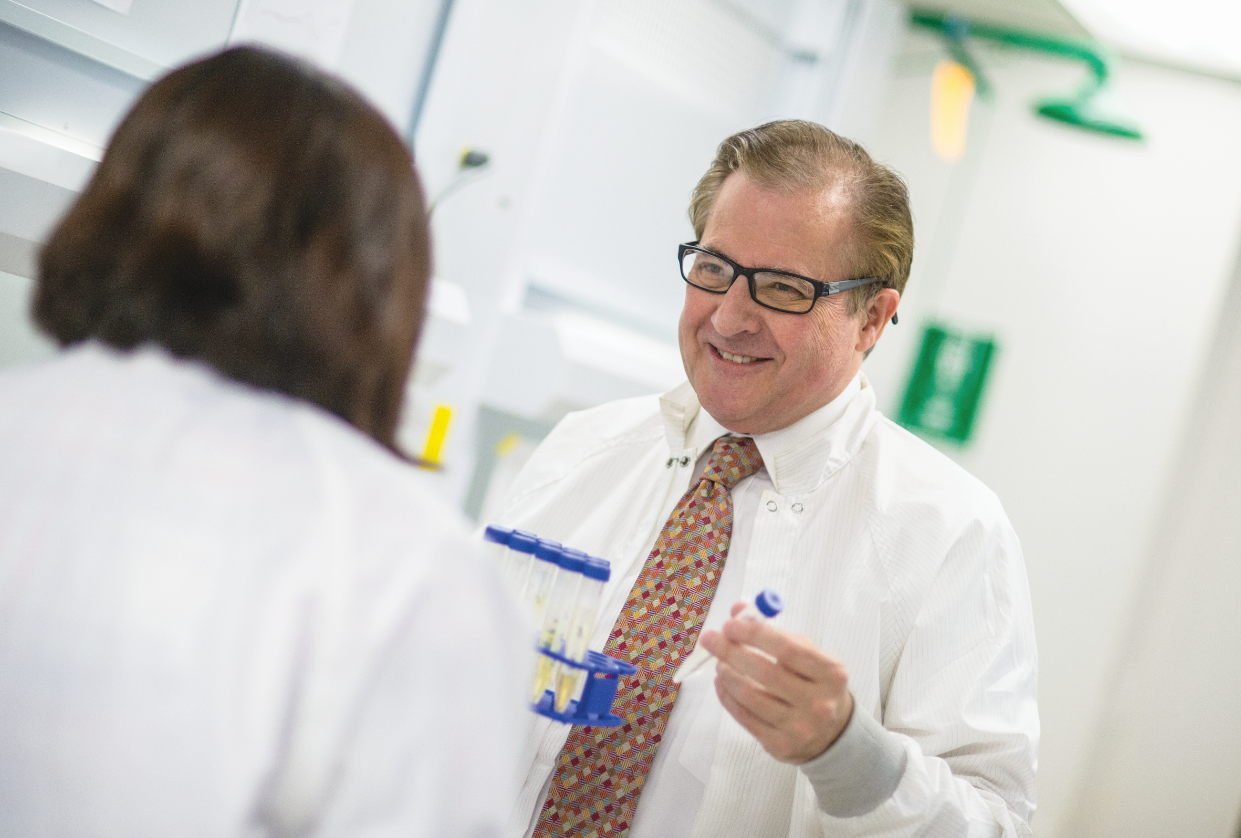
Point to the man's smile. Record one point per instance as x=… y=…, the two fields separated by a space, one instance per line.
x=736 y=359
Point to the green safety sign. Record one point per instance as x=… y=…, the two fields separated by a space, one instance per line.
x=947 y=383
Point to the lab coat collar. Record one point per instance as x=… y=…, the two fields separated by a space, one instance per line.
x=798 y=458
x=678 y=407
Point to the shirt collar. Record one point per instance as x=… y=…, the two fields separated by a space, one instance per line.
x=798 y=457
x=678 y=407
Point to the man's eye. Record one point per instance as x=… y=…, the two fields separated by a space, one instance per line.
x=789 y=290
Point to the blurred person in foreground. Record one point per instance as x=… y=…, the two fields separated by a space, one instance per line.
x=895 y=695
x=226 y=608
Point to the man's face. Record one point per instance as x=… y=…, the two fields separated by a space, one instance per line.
x=756 y=370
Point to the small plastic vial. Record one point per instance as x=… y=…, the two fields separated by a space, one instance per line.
x=496 y=539
x=571 y=681
x=521 y=547
x=556 y=617
x=539 y=581
x=766 y=605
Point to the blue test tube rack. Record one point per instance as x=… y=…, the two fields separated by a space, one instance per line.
x=595 y=707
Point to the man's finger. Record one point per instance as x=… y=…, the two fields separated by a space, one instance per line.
x=775 y=726
x=758 y=728
x=796 y=653
x=757 y=665
x=742 y=691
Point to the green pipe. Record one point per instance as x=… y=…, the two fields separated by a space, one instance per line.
x=1092 y=52
x=1079 y=109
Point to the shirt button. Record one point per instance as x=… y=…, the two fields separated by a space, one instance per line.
x=771 y=505
x=797 y=507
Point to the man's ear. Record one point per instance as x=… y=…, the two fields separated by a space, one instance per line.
x=876 y=316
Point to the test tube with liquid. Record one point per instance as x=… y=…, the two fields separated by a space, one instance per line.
x=521 y=547
x=571 y=681
x=539 y=581
x=766 y=605
x=556 y=617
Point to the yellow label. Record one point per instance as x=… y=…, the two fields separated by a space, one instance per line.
x=437 y=433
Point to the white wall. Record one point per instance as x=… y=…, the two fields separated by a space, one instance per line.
x=1100 y=266
x=1166 y=761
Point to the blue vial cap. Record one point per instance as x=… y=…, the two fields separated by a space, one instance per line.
x=497 y=535
x=523 y=542
x=548 y=550
x=597 y=568
x=769 y=603
x=572 y=560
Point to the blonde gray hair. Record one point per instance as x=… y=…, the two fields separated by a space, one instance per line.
x=795 y=155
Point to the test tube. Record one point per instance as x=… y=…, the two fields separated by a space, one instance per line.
x=539 y=581
x=570 y=681
x=766 y=605
x=556 y=617
x=521 y=546
x=496 y=539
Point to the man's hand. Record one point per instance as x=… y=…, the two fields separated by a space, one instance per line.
x=795 y=705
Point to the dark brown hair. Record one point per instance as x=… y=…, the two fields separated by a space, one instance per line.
x=256 y=214
x=793 y=155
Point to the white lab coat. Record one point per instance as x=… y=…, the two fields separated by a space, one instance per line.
x=224 y=613
x=890 y=556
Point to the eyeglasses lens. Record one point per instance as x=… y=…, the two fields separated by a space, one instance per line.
x=705 y=271
x=787 y=293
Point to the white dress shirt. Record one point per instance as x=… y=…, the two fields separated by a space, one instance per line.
x=890 y=557
x=224 y=612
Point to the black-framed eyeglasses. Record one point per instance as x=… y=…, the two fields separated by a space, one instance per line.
x=776 y=290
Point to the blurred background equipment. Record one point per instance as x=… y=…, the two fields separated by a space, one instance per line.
x=1085 y=108
x=952 y=91
x=436 y=435
x=471 y=163
x=1104 y=270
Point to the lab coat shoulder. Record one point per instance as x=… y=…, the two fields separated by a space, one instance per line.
x=925 y=510
x=377 y=496
x=590 y=442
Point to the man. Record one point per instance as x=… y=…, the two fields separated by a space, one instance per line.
x=895 y=695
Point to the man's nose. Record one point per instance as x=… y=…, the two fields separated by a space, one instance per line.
x=737 y=312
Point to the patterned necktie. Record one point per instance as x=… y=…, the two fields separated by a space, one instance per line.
x=601 y=770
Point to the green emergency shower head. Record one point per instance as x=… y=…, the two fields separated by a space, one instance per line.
x=1084 y=115
x=1088 y=108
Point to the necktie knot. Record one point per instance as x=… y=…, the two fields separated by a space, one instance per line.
x=733 y=459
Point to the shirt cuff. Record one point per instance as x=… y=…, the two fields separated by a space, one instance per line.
x=859 y=771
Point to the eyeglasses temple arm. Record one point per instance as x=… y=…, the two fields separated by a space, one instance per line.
x=830 y=288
